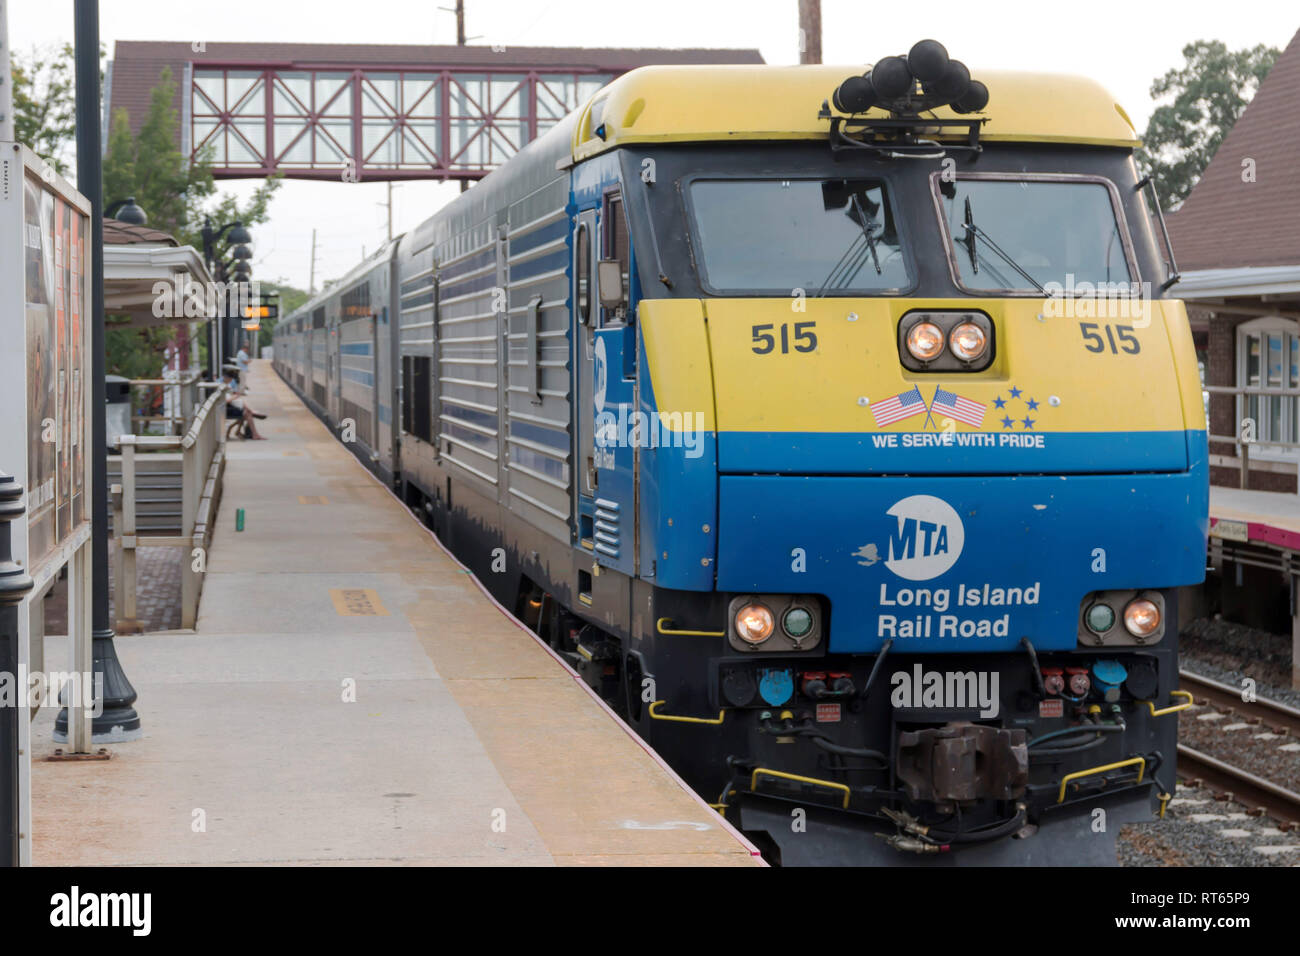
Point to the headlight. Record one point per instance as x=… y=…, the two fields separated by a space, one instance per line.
x=754 y=623
x=925 y=341
x=1141 y=617
x=968 y=341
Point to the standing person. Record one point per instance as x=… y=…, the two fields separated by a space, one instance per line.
x=241 y=362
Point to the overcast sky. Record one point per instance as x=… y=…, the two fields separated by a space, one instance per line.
x=1122 y=43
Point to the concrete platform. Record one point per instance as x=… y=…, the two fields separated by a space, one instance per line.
x=1271 y=516
x=350 y=696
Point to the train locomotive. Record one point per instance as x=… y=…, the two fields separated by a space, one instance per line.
x=839 y=427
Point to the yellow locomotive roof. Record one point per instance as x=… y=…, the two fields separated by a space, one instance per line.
x=681 y=104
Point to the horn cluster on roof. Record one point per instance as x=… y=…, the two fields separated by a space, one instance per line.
x=905 y=85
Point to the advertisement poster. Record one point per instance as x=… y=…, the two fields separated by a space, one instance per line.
x=53 y=238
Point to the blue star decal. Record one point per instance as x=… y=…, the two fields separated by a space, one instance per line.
x=999 y=402
x=1029 y=423
x=1032 y=404
x=1015 y=393
x=1007 y=422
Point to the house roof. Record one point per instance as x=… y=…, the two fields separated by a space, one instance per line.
x=1228 y=223
x=124 y=234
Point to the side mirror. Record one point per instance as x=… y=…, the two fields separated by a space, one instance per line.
x=610 y=282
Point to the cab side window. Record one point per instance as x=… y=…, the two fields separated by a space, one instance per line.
x=616 y=244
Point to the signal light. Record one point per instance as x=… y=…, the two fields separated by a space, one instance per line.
x=1100 y=618
x=797 y=622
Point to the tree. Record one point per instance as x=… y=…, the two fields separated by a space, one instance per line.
x=45 y=102
x=176 y=193
x=1205 y=97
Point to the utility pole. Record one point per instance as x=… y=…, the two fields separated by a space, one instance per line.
x=311 y=283
x=390 y=210
x=810 y=31
x=460 y=22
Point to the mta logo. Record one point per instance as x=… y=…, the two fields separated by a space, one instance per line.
x=925 y=538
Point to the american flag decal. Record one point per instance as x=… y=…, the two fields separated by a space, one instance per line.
x=901 y=406
x=959 y=409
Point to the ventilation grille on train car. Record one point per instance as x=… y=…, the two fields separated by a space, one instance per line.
x=608 y=535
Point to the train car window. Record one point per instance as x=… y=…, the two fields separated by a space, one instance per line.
x=1026 y=235
x=775 y=236
x=582 y=250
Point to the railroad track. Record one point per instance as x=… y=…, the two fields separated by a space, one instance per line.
x=1278 y=802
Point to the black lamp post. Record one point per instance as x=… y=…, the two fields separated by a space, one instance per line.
x=118 y=719
x=234 y=234
x=14 y=584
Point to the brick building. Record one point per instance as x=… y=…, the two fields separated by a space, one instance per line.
x=1237 y=241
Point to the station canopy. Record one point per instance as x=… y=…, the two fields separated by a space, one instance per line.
x=151 y=279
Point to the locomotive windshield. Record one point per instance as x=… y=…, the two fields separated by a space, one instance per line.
x=1026 y=235
x=825 y=237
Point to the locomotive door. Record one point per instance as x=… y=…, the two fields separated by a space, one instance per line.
x=332 y=372
x=585 y=311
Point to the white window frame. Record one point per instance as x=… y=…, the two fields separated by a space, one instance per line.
x=1262 y=328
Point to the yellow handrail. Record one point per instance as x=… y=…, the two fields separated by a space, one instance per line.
x=1175 y=707
x=665 y=626
x=1142 y=761
x=722 y=715
x=1164 y=802
x=829 y=784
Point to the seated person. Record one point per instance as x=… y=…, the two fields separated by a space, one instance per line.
x=238 y=408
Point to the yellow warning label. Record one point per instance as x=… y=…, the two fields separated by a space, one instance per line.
x=358 y=602
x=313 y=500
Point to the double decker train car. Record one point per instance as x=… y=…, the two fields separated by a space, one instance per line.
x=838 y=427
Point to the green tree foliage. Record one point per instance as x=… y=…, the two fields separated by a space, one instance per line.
x=177 y=194
x=45 y=102
x=1201 y=102
x=290 y=299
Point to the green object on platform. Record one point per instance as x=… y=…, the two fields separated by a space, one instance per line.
x=239 y=519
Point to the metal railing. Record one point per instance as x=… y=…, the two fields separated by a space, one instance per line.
x=1243 y=446
x=179 y=399
x=203 y=457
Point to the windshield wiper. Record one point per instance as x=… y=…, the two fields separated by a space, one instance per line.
x=851 y=263
x=973 y=232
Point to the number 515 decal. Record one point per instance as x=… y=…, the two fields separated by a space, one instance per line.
x=1093 y=342
x=805 y=339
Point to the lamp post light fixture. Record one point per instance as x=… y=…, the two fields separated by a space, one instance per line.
x=236 y=269
x=126 y=210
